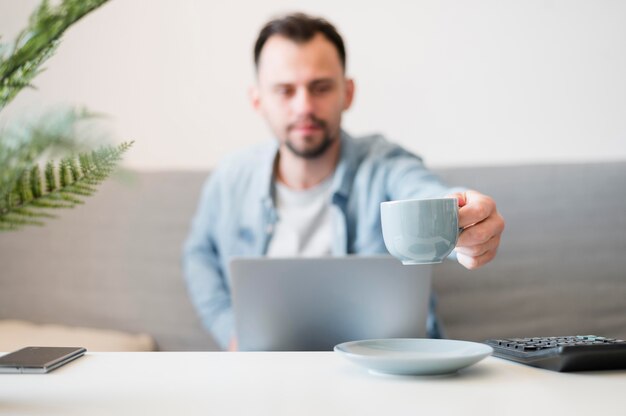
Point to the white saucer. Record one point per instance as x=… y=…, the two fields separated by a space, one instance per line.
x=408 y=356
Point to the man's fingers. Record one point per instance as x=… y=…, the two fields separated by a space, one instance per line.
x=479 y=249
x=472 y=263
x=482 y=226
x=460 y=196
x=477 y=208
x=482 y=232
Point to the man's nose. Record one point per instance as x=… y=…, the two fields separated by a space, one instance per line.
x=303 y=102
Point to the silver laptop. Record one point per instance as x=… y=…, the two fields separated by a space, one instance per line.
x=312 y=304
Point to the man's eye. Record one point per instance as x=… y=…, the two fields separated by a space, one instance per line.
x=321 y=88
x=284 y=91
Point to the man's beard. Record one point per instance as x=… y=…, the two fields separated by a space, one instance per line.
x=317 y=151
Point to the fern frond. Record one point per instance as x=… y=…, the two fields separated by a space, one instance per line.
x=12 y=224
x=26 y=193
x=23 y=145
x=29 y=213
x=35 y=181
x=35 y=44
x=65 y=185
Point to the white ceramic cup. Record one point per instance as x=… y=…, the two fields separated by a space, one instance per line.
x=420 y=231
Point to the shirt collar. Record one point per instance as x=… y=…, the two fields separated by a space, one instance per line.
x=342 y=178
x=266 y=175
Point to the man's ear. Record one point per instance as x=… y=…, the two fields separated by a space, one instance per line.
x=349 y=93
x=255 y=97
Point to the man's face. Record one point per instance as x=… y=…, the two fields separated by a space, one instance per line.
x=301 y=91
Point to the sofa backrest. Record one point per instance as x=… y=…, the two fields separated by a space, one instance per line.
x=561 y=268
x=115 y=262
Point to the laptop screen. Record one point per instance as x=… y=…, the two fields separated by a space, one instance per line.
x=312 y=304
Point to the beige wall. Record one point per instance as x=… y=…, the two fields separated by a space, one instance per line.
x=460 y=82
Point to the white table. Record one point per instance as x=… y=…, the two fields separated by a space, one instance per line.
x=298 y=383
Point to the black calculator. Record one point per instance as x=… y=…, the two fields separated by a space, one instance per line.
x=567 y=353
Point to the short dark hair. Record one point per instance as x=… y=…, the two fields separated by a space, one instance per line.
x=299 y=28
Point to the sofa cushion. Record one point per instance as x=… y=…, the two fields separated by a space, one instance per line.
x=16 y=334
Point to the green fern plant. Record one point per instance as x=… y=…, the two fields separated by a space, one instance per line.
x=28 y=194
x=61 y=185
x=38 y=42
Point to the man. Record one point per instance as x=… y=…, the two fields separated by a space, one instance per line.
x=314 y=190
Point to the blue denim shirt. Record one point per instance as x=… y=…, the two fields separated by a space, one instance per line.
x=236 y=215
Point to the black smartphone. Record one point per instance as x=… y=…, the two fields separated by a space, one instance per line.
x=38 y=360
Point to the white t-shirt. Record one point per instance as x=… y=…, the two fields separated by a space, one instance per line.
x=304 y=224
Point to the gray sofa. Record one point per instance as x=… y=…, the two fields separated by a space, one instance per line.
x=114 y=263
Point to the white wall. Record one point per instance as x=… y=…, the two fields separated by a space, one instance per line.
x=465 y=82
